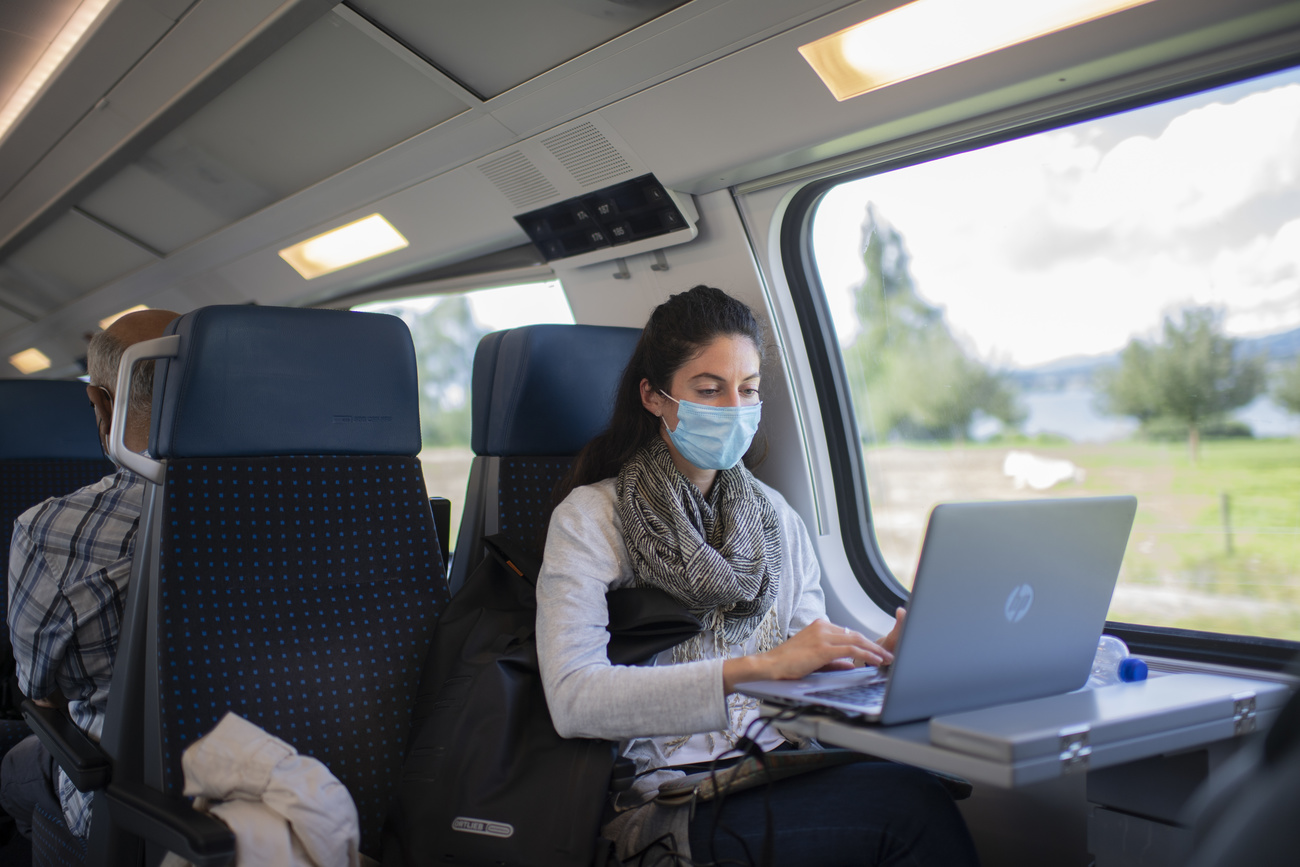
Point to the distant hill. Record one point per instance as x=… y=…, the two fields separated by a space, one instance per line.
x=1076 y=372
x=1279 y=347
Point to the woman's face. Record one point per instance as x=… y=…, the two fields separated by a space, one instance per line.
x=724 y=373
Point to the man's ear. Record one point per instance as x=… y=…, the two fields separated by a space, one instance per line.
x=103 y=409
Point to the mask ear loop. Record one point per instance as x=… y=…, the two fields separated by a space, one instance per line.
x=674 y=400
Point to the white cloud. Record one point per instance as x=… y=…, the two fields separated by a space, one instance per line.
x=1052 y=246
x=1206 y=163
x=1262 y=278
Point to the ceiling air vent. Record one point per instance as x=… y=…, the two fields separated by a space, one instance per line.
x=518 y=179
x=587 y=154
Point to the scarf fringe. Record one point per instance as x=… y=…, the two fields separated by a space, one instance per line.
x=709 y=645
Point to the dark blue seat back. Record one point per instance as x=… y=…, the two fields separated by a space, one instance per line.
x=299 y=574
x=49 y=447
x=539 y=394
x=285 y=381
x=49 y=419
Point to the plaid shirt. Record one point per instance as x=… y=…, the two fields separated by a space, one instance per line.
x=68 y=569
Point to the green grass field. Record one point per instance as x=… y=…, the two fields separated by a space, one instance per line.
x=1184 y=567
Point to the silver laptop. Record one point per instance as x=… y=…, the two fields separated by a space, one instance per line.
x=1008 y=603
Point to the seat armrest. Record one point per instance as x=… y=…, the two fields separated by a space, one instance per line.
x=80 y=757
x=441 y=508
x=170 y=821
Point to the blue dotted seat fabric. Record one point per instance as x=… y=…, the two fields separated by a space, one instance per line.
x=300 y=593
x=52 y=843
x=524 y=491
x=26 y=483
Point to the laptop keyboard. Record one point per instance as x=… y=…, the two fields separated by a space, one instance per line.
x=868 y=695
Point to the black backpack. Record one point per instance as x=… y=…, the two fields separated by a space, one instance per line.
x=487 y=780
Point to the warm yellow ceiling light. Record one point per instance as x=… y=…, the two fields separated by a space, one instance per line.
x=59 y=48
x=347 y=245
x=109 y=320
x=30 y=360
x=930 y=34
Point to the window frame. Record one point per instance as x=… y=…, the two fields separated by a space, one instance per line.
x=826 y=365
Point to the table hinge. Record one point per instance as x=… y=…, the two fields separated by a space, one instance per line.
x=1243 y=713
x=1075 y=749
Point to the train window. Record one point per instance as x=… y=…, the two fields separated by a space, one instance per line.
x=1108 y=307
x=446 y=330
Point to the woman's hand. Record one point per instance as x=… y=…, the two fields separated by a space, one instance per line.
x=890 y=641
x=821 y=646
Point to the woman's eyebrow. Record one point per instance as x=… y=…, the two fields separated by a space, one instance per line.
x=717 y=378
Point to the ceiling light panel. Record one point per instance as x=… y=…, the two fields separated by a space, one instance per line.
x=18 y=54
x=327 y=100
x=41 y=66
x=928 y=35
x=30 y=361
x=358 y=241
x=492 y=47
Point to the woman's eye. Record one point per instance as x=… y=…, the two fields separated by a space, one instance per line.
x=706 y=392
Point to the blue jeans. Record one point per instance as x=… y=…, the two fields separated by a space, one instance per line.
x=872 y=813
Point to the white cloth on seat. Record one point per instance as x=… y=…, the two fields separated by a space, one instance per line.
x=284 y=809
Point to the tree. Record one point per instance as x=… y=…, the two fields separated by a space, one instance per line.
x=1286 y=387
x=445 y=337
x=1192 y=376
x=911 y=376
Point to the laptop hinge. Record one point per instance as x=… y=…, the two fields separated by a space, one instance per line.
x=1243 y=713
x=1075 y=749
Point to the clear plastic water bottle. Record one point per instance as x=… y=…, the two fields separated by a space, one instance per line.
x=1112 y=664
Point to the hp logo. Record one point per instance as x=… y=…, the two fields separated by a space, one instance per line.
x=1018 y=602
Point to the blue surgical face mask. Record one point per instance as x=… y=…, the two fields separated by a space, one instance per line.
x=713 y=437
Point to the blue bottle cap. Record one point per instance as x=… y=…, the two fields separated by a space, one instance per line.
x=1132 y=669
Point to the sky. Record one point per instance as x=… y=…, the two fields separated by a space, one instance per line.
x=504 y=307
x=1073 y=241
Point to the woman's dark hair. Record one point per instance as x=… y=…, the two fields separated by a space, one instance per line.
x=678 y=330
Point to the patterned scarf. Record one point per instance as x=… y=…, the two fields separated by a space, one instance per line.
x=720 y=557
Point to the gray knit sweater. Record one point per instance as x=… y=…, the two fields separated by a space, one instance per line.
x=648 y=709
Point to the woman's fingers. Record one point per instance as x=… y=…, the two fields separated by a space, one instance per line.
x=890 y=641
x=841 y=643
x=821 y=646
x=858 y=647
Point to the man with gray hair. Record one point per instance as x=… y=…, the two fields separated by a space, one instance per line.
x=68 y=570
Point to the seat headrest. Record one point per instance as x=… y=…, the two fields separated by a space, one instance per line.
x=47 y=418
x=546 y=389
x=286 y=381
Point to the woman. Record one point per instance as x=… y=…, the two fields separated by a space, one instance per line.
x=662 y=499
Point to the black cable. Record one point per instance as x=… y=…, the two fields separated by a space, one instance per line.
x=747 y=746
x=663 y=849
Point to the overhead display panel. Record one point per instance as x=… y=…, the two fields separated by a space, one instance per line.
x=492 y=47
x=639 y=213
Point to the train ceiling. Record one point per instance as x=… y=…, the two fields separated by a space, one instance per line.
x=184 y=143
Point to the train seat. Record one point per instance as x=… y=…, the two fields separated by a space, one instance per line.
x=49 y=447
x=1245 y=812
x=538 y=393
x=292 y=574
